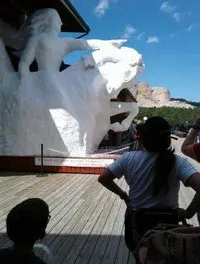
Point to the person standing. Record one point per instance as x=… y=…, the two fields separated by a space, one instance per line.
x=191 y=146
x=153 y=175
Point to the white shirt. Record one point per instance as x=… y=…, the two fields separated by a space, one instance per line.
x=138 y=170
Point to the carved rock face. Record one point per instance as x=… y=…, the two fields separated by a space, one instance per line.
x=141 y=89
x=148 y=96
x=161 y=94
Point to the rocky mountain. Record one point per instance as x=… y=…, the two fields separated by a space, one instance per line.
x=148 y=96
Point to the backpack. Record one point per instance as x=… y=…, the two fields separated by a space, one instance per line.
x=180 y=245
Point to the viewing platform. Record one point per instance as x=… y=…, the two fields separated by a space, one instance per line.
x=86 y=223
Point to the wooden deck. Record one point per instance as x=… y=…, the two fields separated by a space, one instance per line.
x=87 y=220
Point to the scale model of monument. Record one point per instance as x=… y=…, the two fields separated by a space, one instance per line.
x=67 y=111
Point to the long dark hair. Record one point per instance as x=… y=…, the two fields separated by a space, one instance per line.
x=154 y=136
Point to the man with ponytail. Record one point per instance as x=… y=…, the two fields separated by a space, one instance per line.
x=153 y=174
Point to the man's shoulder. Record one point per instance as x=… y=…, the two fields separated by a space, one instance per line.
x=36 y=260
x=180 y=159
x=2 y=250
x=131 y=156
x=6 y=256
x=137 y=153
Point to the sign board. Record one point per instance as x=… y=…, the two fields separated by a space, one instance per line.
x=74 y=162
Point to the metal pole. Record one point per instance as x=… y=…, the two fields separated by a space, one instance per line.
x=41 y=159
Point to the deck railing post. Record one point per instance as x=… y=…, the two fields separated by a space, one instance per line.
x=42 y=156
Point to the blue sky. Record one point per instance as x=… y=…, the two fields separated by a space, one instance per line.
x=166 y=33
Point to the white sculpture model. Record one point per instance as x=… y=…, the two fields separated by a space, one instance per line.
x=69 y=111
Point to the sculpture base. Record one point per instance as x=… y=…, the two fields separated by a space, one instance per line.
x=93 y=164
x=51 y=165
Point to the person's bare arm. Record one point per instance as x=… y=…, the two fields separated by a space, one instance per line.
x=188 y=145
x=107 y=180
x=194 y=207
x=27 y=57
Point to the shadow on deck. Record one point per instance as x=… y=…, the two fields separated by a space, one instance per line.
x=75 y=249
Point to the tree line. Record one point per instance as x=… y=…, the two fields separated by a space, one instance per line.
x=174 y=115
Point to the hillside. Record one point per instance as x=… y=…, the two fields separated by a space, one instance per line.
x=196 y=104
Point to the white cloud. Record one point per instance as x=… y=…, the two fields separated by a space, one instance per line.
x=166 y=7
x=152 y=39
x=139 y=36
x=177 y=17
x=101 y=8
x=128 y=32
x=189 y=29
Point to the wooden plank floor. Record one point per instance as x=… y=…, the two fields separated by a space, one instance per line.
x=87 y=220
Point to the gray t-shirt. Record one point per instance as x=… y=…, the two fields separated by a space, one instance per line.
x=138 y=170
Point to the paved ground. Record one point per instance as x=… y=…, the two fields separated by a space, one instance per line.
x=87 y=220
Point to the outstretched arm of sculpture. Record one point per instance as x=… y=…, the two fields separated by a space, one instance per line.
x=108 y=53
x=27 y=57
x=93 y=44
